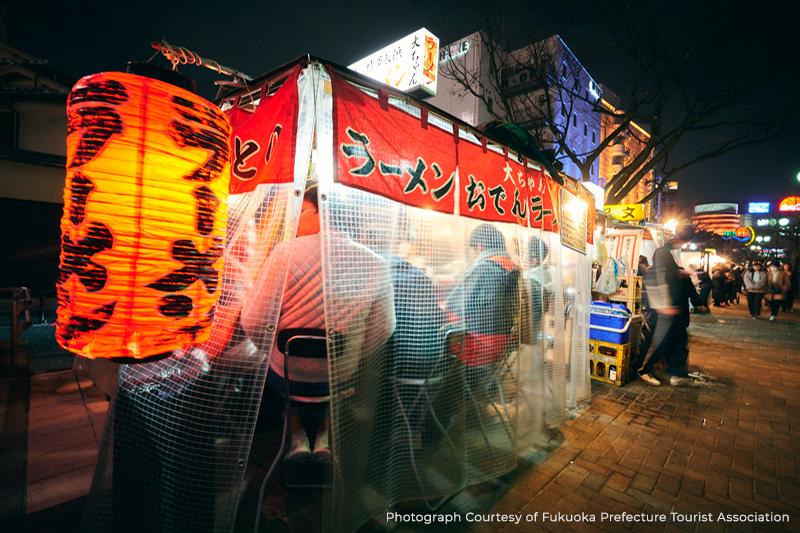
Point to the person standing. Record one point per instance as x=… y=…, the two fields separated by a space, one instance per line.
x=778 y=284
x=718 y=286
x=703 y=286
x=755 y=281
x=788 y=302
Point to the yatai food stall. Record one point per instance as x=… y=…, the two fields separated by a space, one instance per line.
x=173 y=208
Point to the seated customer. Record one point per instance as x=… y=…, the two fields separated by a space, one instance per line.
x=367 y=309
x=485 y=303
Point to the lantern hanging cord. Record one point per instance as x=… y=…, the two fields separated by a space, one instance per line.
x=178 y=55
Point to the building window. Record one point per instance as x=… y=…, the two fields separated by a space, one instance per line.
x=575 y=120
x=8 y=128
x=618 y=160
x=564 y=69
x=585 y=129
x=594 y=136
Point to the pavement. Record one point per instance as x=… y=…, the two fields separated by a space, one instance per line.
x=729 y=445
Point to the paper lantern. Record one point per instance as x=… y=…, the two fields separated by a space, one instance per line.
x=144 y=217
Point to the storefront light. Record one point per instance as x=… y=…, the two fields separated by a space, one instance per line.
x=783 y=221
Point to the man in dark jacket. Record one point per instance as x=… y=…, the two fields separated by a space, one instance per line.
x=486 y=302
x=675 y=347
x=665 y=291
x=418 y=340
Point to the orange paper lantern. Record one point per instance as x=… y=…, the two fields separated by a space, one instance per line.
x=144 y=217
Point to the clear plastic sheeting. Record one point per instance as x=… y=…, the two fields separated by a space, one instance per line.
x=179 y=431
x=553 y=324
x=576 y=279
x=424 y=393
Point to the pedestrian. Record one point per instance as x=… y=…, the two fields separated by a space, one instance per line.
x=755 y=281
x=788 y=302
x=718 y=286
x=738 y=279
x=703 y=286
x=665 y=290
x=778 y=284
x=675 y=350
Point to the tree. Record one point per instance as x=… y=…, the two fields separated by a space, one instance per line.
x=685 y=78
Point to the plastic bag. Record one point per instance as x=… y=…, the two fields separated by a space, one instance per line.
x=608 y=282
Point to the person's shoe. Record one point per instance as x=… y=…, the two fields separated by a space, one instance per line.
x=754 y=317
x=649 y=379
x=772 y=318
x=300 y=448
x=677 y=381
x=322 y=450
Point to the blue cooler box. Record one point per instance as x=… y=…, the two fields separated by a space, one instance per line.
x=610 y=322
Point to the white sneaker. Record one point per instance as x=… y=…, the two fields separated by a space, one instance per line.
x=677 y=381
x=772 y=319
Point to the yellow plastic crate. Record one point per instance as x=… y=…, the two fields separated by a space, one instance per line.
x=609 y=363
x=629 y=293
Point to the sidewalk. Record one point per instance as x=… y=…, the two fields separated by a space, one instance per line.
x=729 y=446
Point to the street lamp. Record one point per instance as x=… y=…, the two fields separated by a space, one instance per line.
x=671 y=225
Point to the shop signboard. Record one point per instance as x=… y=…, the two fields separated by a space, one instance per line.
x=790 y=204
x=758 y=208
x=744 y=234
x=574 y=212
x=625 y=245
x=625 y=212
x=410 y=64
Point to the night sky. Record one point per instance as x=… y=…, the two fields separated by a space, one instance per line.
x=85 y=37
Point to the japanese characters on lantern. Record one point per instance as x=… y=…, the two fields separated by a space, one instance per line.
x=144 y=217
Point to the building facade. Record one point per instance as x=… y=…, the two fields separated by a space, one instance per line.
x=33 y=128
x=622 y=151
x=543 y=86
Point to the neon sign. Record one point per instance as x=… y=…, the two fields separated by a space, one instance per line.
x=743 y=234
x=790 y=204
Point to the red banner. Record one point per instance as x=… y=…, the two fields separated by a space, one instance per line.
x=493 y=187
x=263 y=140
x=386 y=151
x=390 y=152
x=543 y=201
